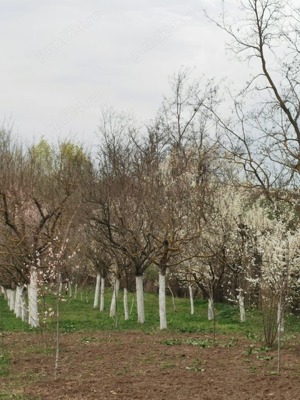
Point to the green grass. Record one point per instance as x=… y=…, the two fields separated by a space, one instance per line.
x=79 y=315
x=8 y=321
x=4 y=365
x=10 y=396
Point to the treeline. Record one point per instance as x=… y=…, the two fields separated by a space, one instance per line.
x=209 y=202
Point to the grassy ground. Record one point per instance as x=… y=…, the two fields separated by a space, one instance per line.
x=78 y=314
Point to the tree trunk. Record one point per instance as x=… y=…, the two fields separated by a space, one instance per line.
x=57 y=349
x=162 y=301
x=241 y=306
x=60 y=287
x=191 y=300
x=23 y=305
x=113 y=305
x=97 y=290
x=280 y=317
x=7 y=291
x=3 y=291
x=132 y=303
x=173 y=297
x=125 y=300
x=32 y=300
x=102 y=289
x=140 y=298
x=70 y=288
x=75 y=291
x=18 y=309
x=211 y=311
x=9 y=298
x=13 y=299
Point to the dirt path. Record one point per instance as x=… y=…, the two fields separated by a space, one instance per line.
x=129 y=365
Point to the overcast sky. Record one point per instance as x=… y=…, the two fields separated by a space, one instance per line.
x=62 y=60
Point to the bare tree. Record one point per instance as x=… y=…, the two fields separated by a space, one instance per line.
x=263 y=133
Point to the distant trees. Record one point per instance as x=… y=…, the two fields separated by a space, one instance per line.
x=39 y=200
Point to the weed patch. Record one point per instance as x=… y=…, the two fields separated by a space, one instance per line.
x=189 y=342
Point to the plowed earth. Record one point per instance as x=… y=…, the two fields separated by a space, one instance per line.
x=164 y=366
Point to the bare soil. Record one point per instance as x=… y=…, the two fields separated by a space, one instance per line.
x=164 y=366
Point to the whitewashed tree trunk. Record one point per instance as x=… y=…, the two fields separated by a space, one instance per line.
x=113 y=304
x=17 y=301
x=97 y=290
x=211 y=311
x=162 y=301
x=125 y=301
x=23 y=305
x=102 y=290
x=241 y=306
x=12 y=299
x=33 y=318
x=191 y=300
x=8 y=297
x=140 y=298
x=18 y=308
